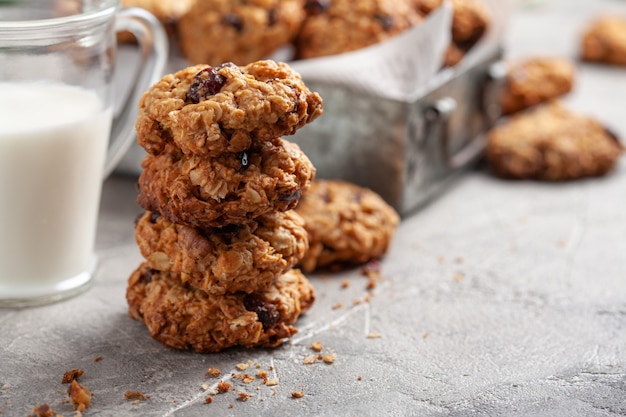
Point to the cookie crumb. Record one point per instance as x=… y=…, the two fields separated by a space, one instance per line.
x=5 y=387
x=98 y=358
x=223 y=386
x=42 y=410
x=271 y=382
x=458 y=277
x=261 y=373
x=243 y=396
x=374 y=335
x=297 y=394
x=337 y=306
x=330 y=358
x=358 y=378
x=345 y=283
x=208 y=400
x=425 y=335
x=247 y=379
x=80 y=396
x=135 y=395
x=214 y=372
x=231 y=405
x=69 y=376
x=317 y=346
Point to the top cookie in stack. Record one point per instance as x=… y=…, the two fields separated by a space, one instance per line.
x=213 y=135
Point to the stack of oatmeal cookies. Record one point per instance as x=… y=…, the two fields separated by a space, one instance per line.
x=219 y=235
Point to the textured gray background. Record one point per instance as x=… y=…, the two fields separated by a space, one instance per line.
x=500 y=298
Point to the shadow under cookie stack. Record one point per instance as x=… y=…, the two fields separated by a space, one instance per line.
x=219 y=236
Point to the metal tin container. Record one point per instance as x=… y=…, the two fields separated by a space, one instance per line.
x=405 y=151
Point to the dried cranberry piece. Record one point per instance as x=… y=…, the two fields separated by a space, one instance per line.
x=385 y=21
x=316 y=6
x=154 y=217
x=234 y=21
x=206 y=83
x=147 y=277
x=295 y=195
x=266 y=312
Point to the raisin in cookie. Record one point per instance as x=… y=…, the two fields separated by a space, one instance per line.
x=536 y=80
x=551 y=143
x=240 y=257
x=229 y=189
x=336 y=26
x=181 y=317
x=347 y=224
x=605 y=41
x=208 y=111
x=241 y=31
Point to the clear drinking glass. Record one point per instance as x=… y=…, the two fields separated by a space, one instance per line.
x=59 y=138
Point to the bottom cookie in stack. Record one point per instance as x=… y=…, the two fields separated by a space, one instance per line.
x=182 y=317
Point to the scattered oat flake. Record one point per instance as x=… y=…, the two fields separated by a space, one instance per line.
x=374 y=335
x=247 y=379
x=204 y=387
x=5 y=387
x=135 y=395
x=242 y=366
x=271 y=382
x=223 y=386
x=98 y=358
x=458 y=277
x=214 y=372
x=317 y=346
x=310 y=359
x=356 y=302
x=425 y=335
x=330 y=358
x=345 y=283
x=337 y=306
x=297 y=394
x=261 y=373
x=69 y=376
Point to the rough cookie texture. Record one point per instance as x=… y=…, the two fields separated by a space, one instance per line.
x=181 y=317
x=246 y=257
x=605 y=41
x=470 y=21
x=551 y=143
x=168 y=12
x=347 y=224
x=229 y=189
x=337 y=26
x=241 y=31
x=536 y=80
x=259 y=102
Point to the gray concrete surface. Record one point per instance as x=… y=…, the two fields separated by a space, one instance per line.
x=499 y=299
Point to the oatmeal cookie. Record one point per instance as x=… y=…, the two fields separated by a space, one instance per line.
x=208 y=111
x=228 y=189
x=336 y=26
x=605 y=41
x=347 y=224
x=168 y=12
x=241 y=31
x=181 y=317
x=551 y=143
x=246 y=257
x=536 y=80
x=470 y=21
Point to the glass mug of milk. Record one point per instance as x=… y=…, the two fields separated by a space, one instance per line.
x=59 y=138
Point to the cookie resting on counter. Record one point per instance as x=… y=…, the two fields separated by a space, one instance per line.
x=336 y=26
x=536 y=80
x=241 y=31
x=551 y=143
x=181 y=317
x=211 y=110
x=228 y=189
x=347 y=225
x=605 y=41
x=246 y=257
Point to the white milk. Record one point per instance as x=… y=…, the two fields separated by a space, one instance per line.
x=53 y=141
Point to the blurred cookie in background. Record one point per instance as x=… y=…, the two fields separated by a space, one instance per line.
x=168 y=12
x=604 y=41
